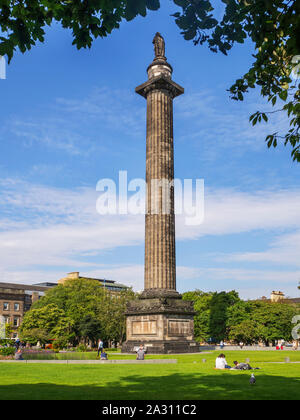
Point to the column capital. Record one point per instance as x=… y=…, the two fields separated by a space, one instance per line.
x=160 y=83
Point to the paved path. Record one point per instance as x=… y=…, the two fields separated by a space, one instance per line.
x=282 y=363
x=96 y=362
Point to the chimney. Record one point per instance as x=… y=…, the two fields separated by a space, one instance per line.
x=277 y=296
x=73 y=275
x=34 y=297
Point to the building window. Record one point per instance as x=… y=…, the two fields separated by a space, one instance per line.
x=16 y=322
x=17 y=307
x=6 y=306
x=7 y=319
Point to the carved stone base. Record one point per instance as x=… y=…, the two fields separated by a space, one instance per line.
x=163 y=325
x=162 y=347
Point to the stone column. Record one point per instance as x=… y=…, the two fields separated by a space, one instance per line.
x=160 y=319
x=160 y=258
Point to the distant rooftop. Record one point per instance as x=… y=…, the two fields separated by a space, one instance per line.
x=279 y=297
x=108 y=284
x=29 y=287
x=46 y=284
x=42 y=287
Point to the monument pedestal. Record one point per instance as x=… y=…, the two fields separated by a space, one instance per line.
x=163 y=325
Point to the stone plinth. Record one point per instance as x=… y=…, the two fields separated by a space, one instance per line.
x=163 y=325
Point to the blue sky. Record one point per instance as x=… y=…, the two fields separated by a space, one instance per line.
x=69 y=118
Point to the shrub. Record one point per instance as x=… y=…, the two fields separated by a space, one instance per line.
x=6 y=342
x=82 y=347
x=7 y=351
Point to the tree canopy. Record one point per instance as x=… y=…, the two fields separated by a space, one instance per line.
x=211 y=313
x=224 y=316
x=272 y=25
x=77 y=312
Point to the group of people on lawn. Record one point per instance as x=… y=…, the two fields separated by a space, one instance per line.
x=140 y=353
x=101 y=352
x=221 y=363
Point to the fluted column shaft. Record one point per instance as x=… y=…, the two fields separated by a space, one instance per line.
x=160 y=258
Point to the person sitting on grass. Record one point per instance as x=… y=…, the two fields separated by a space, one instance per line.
x=141 y=353
x=103 y=355
x=221 y=362
x=19 y=355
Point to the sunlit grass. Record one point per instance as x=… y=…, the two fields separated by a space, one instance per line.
x=190 y=378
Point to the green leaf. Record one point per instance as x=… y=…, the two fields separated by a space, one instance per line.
x=283 y=95
x=190 y=34
x=153 y=4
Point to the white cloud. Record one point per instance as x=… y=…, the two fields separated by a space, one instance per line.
x=229 y=211
x=284 y=250
x=45 y=230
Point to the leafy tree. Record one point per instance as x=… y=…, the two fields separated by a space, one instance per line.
x=202 y=302
x=33 y=335
x=211 y=313
x=90 y=328
x=8 y=330
x=267 y=321
x=274 y=320
x=23 y=23
x=85 y=310
x=115 y=316
x=274 y=28
x=43 y=324
x=238 y=313
x=246 y=332
x=219 y=306
x=272 y=25
x=224 y=316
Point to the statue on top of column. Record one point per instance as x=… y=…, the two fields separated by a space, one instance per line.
x=159 y=45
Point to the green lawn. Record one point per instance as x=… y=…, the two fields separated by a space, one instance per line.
x=189 y=379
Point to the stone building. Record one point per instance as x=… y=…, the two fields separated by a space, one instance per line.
x=16 y=299
x=279 y=297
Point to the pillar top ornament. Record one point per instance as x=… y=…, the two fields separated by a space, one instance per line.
x=159 y=46
x=159 y=73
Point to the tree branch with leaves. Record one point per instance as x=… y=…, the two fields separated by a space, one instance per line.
x=272 y=25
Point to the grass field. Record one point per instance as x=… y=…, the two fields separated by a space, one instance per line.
x=190 y=378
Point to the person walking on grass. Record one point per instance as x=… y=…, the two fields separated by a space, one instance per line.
x=100 y=347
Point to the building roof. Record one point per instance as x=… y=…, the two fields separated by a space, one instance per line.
x=292 y=300
x=108 y=283
x=33 y=288
x=43 y=287
x=46 y=284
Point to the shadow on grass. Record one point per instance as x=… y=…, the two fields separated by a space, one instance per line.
x=172 y=387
